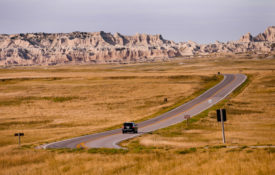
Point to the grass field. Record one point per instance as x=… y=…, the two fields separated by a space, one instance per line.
x=58 y=102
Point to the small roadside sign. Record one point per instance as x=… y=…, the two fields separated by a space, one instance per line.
x=219 y=118
x=187 y=117
x=19 y=134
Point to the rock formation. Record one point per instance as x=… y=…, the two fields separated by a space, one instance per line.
x=247 y=38
x=267 y=36
x=101 y=47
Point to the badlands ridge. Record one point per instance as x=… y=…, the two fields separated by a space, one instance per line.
x=101 y=47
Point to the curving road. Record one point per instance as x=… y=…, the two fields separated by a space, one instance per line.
x=110 y=139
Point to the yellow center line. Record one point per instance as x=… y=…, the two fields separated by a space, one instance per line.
x=192 y=106
x=82 y=144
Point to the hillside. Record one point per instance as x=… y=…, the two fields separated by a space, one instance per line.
x=66 y=101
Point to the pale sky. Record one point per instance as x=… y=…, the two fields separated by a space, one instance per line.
x=202 y=21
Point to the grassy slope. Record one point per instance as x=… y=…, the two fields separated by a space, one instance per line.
x=178 y=149
x=83 y=102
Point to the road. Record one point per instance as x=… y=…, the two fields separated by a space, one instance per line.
x=111 y=139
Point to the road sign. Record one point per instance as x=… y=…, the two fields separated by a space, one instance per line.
x=187 y=117
x=219 y=118
x=19 y=134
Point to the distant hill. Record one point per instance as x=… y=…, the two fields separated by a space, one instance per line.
x=101 y=47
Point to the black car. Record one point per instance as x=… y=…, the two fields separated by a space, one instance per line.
x=130 y=127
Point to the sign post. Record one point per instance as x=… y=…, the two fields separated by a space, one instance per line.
x=187 y=117
x=19 y=134
x=223 y=136
x=221 y=117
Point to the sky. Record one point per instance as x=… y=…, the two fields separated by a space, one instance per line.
x=202 y=21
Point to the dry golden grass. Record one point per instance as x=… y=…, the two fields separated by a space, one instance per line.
x=84 y=101
x=67 y=101
x=250 y=118
x=212 y=161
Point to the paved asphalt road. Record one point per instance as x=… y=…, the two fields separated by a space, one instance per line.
x=110 y=139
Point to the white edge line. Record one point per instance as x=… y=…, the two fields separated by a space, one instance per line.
x=197 y=96
x=115 y=144
x=46 y=145
x=223 y=96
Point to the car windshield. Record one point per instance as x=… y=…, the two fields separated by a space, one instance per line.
x=128 y=124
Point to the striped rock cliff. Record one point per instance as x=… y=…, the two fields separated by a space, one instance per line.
x=101 y=47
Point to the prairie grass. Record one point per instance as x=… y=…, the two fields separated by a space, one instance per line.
x=57 y=102
x=187 y=161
